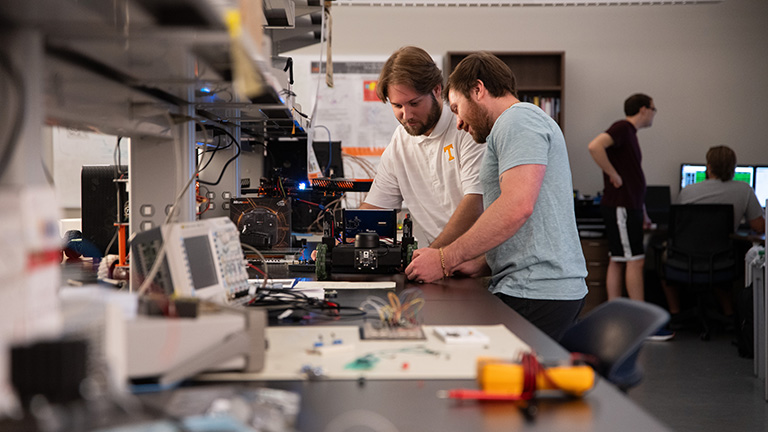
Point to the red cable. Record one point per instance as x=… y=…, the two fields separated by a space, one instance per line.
x=308 y=202
x=261 y=272
x=530 y=369
x=467 y=394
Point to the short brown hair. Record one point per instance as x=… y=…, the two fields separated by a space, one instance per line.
x=496 y=76
x=721 y=161
x=409 y=66
x=633 y=103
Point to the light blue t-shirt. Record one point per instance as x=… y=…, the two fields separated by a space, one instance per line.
x=543 y=260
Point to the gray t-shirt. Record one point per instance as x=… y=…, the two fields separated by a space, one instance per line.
x=745 y=204
x=543 y=260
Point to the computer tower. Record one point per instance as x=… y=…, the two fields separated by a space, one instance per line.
x=102 y=190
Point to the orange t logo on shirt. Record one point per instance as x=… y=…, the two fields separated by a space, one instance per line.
x=448 y=149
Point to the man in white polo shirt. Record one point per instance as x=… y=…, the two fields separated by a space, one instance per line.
x=429 y=165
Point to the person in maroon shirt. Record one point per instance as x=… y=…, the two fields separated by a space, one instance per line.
x=618 y=154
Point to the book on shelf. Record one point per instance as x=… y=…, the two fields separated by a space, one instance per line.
x=550 y=105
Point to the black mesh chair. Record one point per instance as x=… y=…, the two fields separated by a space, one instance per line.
x=611 y=336
x=700 y=254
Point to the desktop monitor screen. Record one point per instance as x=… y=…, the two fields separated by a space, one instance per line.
x=745 y=174
x=333 y=168
x=692 y=173
x=289 y=158
x=695 y=173
x=761 y=184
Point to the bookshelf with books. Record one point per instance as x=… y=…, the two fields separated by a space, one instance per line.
x=540 y=77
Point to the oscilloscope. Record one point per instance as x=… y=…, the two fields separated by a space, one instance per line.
x=202 y=259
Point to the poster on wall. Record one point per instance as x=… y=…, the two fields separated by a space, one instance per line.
x=351 y=109
x=74 y=148
x=351 y=112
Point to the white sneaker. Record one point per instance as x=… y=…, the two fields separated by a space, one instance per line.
x=661 y=335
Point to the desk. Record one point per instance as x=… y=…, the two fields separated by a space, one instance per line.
x=412 y=405
x=749 y=236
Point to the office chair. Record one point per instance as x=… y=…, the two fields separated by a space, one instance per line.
x=612 y=334
x=700 y=253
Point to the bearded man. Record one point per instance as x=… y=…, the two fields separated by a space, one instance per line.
x=527 y=235
x=429 y=166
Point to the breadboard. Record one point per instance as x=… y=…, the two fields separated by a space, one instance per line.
x=369 y=332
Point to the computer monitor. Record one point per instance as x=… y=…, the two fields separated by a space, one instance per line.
x=692 y=173
x=695 y=173
x=288 y=158
x=333 y=167
x=745 y=174
x=761 y=184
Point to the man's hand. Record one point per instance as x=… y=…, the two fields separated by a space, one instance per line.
x=597 y=148
x=647 y=222
x=616 y=180
x=425 y=266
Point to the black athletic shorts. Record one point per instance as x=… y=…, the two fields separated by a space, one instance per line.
x=624 y=228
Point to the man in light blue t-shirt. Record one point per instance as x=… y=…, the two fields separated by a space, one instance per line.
x=527 y=235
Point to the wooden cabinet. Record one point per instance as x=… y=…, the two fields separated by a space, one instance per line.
x=540 y=77
x=596 y=255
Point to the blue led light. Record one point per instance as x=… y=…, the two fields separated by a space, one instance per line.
x=302 y=186
x=205 y=90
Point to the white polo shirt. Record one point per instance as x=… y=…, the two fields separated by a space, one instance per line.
x=430 y=174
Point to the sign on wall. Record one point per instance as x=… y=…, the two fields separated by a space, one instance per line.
x=74 y=148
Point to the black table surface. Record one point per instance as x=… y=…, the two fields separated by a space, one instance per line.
x=414 y=405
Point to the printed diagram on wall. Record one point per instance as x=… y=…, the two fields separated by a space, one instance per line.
x=354 y=114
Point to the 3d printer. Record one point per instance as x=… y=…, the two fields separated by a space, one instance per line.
x=364 y=241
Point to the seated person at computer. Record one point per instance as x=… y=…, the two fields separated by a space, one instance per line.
x=720 y=188
x=429 y=165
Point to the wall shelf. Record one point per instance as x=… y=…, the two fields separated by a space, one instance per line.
x=540 y=77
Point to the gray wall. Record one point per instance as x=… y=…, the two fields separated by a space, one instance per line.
x=704 y=65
